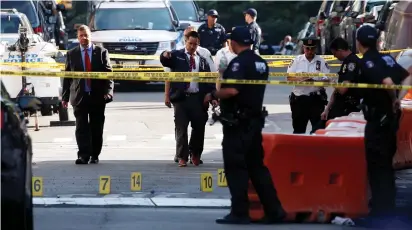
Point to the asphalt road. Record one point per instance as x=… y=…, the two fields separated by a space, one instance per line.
x=148 y=219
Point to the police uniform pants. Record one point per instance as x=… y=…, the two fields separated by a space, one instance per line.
x=380 y=147
x=337 y=110
x=305 y=108
x=243 y=159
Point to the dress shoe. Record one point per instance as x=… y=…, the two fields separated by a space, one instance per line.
x=195 y=160
x=94 y=160
x=232 y=219
x=191 y=162
x=82 y=161
x=182 y=163
x=176 y=159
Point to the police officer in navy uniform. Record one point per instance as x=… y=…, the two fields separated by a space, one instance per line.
x=343 y=101
x=250 y=18
x=212 y=34
x=243 y=117
x=381 y=109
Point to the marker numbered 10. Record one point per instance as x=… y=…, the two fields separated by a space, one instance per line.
x=206 y=182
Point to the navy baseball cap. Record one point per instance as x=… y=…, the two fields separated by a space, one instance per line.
x=367 y=34
x=252 y=12
x=213 y=12
x=241 y=34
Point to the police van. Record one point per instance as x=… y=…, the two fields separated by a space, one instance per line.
x=136 y=28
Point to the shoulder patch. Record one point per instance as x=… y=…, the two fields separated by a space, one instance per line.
x=369 y=64
x=351 y=66
x=318 y=65
x=389 y=60
x=235 y=67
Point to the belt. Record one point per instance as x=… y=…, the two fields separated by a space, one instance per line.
x=188 y=94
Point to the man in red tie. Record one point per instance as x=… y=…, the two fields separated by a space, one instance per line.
x=88 y=96
x=187 y=99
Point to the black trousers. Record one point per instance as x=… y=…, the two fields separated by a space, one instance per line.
x=380 y=147
x=90 y=119
x=190 y=110
x=243 y=159
x=305 y=109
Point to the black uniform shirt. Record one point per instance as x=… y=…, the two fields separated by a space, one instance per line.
x=212 y=38
x=375 y=67
x=256 y=34
x=349 y=71
x=246 y=66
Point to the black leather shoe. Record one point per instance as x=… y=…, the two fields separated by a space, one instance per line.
x=279 y=217
x=176 y=159
x=94 y=160
x=232 y=219
x=82 y=161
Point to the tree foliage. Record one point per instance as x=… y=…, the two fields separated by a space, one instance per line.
x=276 y=18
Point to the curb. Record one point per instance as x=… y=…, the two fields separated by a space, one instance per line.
x=132 y=202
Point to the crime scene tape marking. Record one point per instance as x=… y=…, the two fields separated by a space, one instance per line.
x=37 y=186
x=136 y=181
x=104 y=185
x=221 y=178
x=206 y=182
x=202 y=78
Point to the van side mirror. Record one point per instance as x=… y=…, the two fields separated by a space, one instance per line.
x=175 y=23
x=183 y=26
x=201 y=12
x=28 y=102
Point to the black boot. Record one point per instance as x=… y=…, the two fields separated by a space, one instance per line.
x=233 y=219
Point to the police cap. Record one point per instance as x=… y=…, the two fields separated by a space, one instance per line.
x=252 y=12
x=241 y=34
x=367 y=34
x=310 y=42
x=213 y=13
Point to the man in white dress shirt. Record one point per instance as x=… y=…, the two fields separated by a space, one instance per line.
x=307 y=103
x=222 y=59
x=188 y=99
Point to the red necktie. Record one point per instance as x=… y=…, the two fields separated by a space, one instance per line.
x=88 y=67
x=192 y=66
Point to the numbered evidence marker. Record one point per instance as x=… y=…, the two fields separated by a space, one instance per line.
x=221 y=178
x=104 y=185
x=136 y=181
x=37 y=186
x=206 y=182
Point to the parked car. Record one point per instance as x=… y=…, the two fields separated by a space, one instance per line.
x=189 y=12
x=357 y=13
x=398 y=34
x=36 y=18
x=329 y=18
x=16 y=162
x=383 y=20
x=11 y=20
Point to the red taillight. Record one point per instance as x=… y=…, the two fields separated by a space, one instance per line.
x=38 y=30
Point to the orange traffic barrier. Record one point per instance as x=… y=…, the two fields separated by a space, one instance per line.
x=403 y=156
x=346 y=121
x=338 y=130
x=408 y=96
x=317 y=177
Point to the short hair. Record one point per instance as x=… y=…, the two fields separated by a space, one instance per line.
x=83 y=28
x=339 y=44
x=193 y=34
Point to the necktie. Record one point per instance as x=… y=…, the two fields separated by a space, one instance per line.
x=88 y=67
x=192 y=66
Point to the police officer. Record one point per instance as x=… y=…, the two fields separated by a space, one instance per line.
x=381 y=109
x=343 y=101
x=307 y=103
x=212 y=34
x=243 y=118
x=250 y=18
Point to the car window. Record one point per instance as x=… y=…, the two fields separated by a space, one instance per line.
x=9 y=24
x=135 y=18
x=185 y=10
x=25 y=7
x=371 y=3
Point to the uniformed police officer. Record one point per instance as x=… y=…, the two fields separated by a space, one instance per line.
x=212 y=34
x=343 y=101
x=307 y=103
x=381 y=109
x=250 y=18
x=243 y=118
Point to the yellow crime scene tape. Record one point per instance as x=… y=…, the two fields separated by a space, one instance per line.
x=201 y=77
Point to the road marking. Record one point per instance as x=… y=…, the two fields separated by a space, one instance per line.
x=116 y=138
x=131 y=201
x=62 y=140
x=168 y=137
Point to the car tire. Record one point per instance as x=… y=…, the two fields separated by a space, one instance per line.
x=46 y=110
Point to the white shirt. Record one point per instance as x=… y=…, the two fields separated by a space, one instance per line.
x=223 y=58
x=301 y=65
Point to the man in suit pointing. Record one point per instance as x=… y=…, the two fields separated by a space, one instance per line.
x=88 y=96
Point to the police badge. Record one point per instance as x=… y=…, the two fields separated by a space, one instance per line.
x=318 y=65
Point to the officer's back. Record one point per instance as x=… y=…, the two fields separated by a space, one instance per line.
x=247 y=66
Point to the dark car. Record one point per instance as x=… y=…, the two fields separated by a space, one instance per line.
x=16 y=162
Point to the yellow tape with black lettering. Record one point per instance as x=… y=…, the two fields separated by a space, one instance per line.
x=188 y=77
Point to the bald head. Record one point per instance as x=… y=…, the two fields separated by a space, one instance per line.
x=288 y=38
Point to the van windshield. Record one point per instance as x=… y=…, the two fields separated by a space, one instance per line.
x=25 y=7
x=133 y=19
x=185 y=10
x=373 y=3
x=9 y=25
